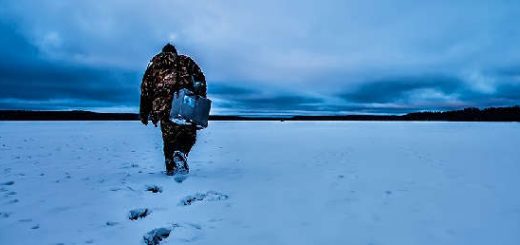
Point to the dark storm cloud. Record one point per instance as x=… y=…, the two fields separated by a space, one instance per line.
x=79 y=54
x=48 y=81
x=223 y=89
x=30 y=81
x=428 y=92
x=14 y=47
x=509 y=92
x=260 y=100
x=395 y=89
x=279 y=102
x=505 y=92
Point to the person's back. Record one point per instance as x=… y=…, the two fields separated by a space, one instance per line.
x=169 y=72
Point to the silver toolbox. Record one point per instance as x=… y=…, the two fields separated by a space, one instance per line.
x=188 y=108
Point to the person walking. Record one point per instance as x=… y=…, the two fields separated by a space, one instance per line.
x=167 y=73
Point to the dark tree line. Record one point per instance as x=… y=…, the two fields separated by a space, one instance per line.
x=469 y=114
x=64 y=115
x=506 y=114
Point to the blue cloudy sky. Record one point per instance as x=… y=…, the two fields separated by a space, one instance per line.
x=265 y=57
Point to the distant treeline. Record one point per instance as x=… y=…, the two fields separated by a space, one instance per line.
x=64 y=115
x=469 y=114
x=493 y=114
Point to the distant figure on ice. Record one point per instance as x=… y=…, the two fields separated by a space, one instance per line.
x=167 y=73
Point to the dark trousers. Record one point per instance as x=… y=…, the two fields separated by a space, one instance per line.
x=177 y=138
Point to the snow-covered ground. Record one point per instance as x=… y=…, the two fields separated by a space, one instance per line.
x=369 y=183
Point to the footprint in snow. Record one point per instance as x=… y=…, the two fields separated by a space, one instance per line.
x=183 y=233
x=13 y=201
x=186 y=232
x=155 y=236
x=138 y=213
x=11 y=193
x=111 y=223
x=154 y=189
x=5 y=214
x=8 y=183
x=208 y=196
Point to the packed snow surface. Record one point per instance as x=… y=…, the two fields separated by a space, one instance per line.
x=371 y=183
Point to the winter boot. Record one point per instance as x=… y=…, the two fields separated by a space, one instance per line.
x=170 y=167
x=181 y=163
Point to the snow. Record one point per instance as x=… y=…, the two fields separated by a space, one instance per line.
x=263 y=183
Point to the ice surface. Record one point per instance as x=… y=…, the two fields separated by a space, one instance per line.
x=285 y=183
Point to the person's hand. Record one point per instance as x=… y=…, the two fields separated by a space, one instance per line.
x=144 y=120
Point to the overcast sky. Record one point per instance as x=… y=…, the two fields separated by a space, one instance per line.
x=269 y=56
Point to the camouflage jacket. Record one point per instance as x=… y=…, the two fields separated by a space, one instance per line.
x=166 y=73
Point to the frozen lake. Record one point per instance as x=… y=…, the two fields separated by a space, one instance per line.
x=369 y=183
